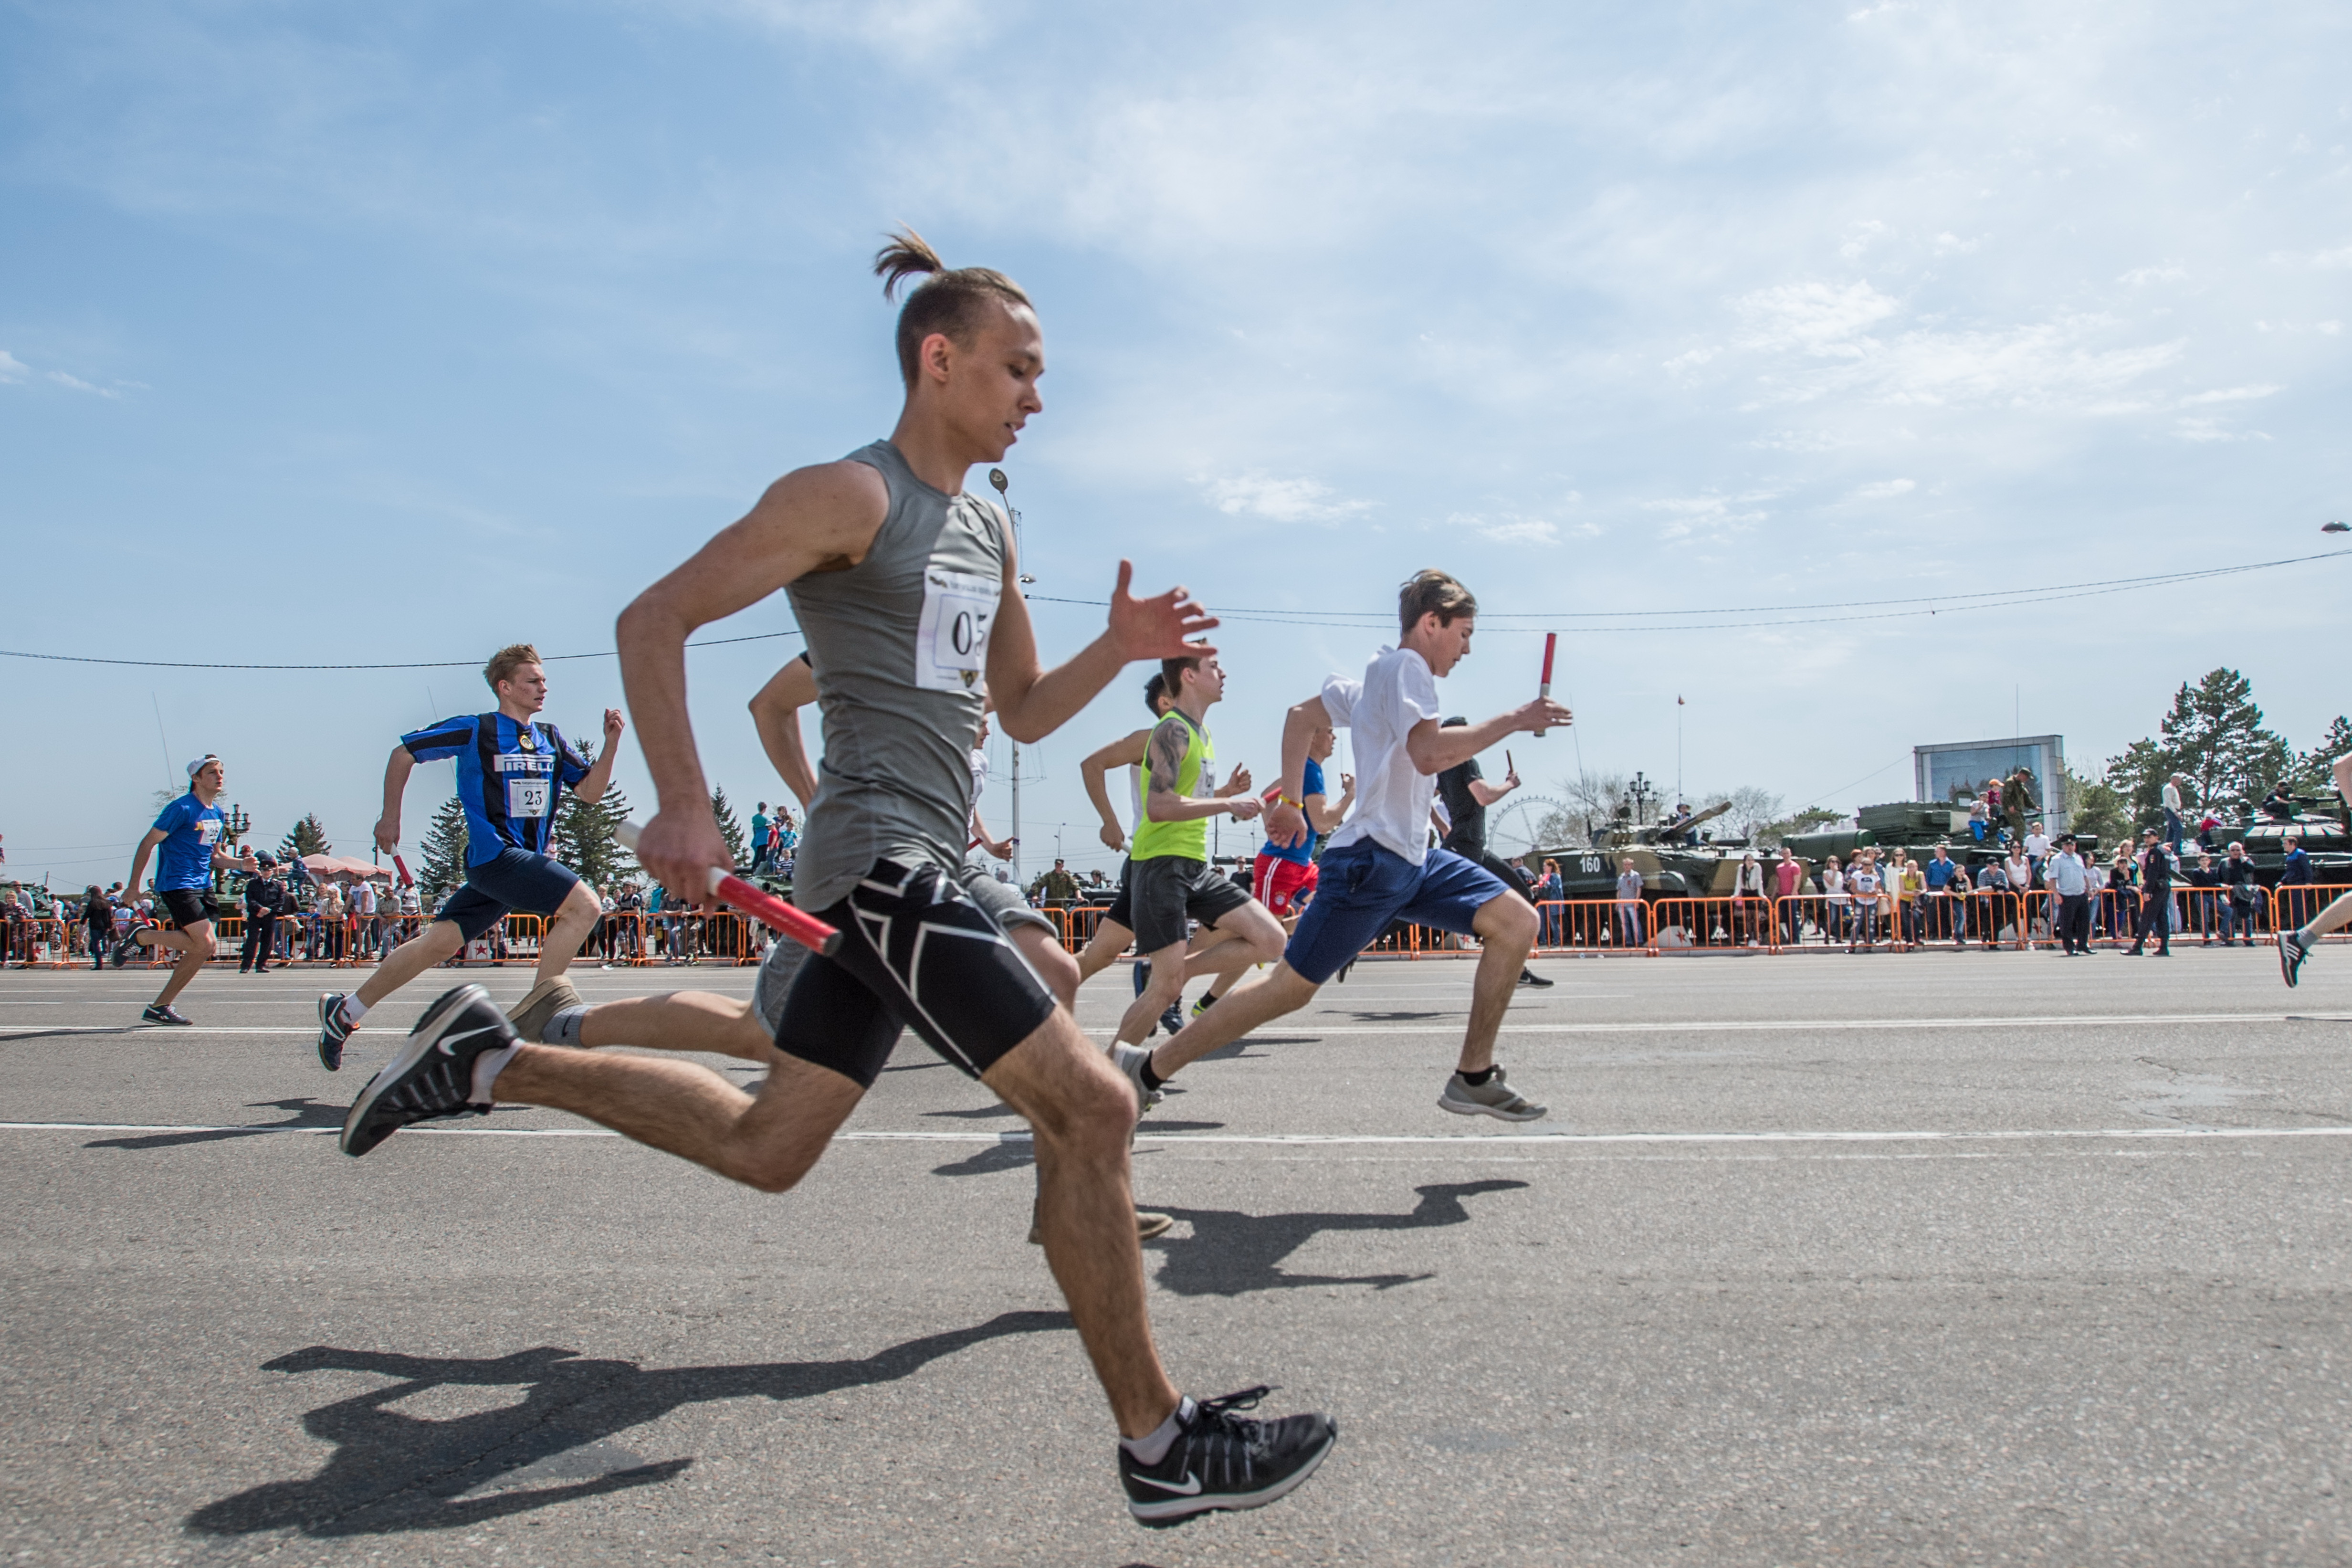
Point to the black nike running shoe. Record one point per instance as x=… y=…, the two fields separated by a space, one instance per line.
x=1171 y=1017
x=1221 y=1460
x=433 y=1073
x=160 y=1014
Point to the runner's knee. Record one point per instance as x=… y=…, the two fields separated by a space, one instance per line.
x=1509 y=918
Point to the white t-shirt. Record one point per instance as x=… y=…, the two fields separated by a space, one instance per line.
x=1392 y=796
x=364 y=899
x=2171 y=796
x=2037 y=844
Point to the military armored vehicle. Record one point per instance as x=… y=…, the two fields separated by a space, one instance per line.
x=2320 y=821
x=1677 y=860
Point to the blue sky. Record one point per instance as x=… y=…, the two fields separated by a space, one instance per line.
x=327 y=334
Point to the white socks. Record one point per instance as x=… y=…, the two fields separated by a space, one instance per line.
x=355 y=1009
x=1153 y=1446
x=487 y=1068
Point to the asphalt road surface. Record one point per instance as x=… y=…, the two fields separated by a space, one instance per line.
x=1952 y=1258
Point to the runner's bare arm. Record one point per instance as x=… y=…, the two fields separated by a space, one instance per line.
x=1237 y=784
x=138 y=860
x=396 y=769
x=1325 y=816
x=1161 y=801
x=776 y=714
x=1032 y=701
x=813 y=520
x=1434 y=748
x=590 y=790
x=1125 y=752
x=1285 y=823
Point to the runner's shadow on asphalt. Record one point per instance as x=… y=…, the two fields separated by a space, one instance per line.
x=1230 y=1254
x=392 y=1472
x=300 y=1114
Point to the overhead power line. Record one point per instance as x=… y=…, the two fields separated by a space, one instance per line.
x=1813 y=615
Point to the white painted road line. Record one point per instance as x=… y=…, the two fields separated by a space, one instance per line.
x=1297 y=1024
x=1560 y=1140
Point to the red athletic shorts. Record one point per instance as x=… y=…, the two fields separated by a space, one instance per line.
x=1274 y=882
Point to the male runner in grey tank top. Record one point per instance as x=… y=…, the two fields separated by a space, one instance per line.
x=907 y=589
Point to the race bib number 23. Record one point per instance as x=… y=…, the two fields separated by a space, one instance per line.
x=952 y=643
x=527 y=797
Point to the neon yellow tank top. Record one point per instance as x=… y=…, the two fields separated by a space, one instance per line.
x=1177 y=840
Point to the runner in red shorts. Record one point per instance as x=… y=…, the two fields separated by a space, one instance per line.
x=1283 y=879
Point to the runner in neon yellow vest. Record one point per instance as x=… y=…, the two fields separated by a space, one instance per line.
x=1170 y=880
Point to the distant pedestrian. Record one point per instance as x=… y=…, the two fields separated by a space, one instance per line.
x=1630 y=932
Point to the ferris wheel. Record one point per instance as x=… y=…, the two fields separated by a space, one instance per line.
x=1512 y=828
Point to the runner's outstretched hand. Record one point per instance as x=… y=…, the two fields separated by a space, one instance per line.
x=613 y=725
x=1543 y=713
x=1155 y=627
x=679 y=849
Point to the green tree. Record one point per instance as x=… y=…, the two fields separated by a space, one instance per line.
x=584 y=832
x=2214 y=737
x=308 y=837
x=444 y=851
x=2095 y=807
x=2314 y=769
x=730 y=828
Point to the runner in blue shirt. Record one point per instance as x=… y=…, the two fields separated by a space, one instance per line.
x=511 y=775
x=189 y=833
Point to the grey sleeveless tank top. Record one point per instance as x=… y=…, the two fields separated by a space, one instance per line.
x=899 y=644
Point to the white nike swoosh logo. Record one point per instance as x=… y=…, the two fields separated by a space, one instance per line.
x=1191 y=1484
x=448 y=1040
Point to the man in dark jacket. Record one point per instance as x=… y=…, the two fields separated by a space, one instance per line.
x=265 y=895
x=2240 y=895
x=2156 y=888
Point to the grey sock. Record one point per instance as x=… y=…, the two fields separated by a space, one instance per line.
x=1153 y=1446
x=563 y=1030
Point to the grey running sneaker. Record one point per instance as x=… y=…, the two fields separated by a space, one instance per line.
x=333 y=1030
x=531 y=1016
x=1493 y=1098
x=433 y=1073
x=124 y=946
x=1130 y=1059
x=159 y=1014
x=1222 y=1460
x=2293 y=950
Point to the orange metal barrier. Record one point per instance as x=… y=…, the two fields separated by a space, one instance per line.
x=1682 y=925
x=38 y=943
x=2292 y=907
x=1594 y=927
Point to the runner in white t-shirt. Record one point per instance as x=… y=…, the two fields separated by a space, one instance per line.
x=1378 y=867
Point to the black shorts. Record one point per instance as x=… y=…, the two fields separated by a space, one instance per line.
x=1169 y=891
x=1122 y=905
x=511 y=879
x=916 y=952
x=189 y=905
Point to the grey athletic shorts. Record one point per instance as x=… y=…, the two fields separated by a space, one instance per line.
x=1002 y=901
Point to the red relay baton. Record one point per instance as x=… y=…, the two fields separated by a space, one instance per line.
x=1551 y=642
x=796 y=923
x=400 y=865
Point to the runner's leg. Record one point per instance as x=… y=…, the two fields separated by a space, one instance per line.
x=1080 y=1110
x=1278 y=991
x=1165 y=987
x=437 y=943
x=1506 y=929
x=573 y=921
x=194 y=946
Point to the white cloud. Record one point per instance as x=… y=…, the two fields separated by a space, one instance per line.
x=1511 y=528
x=12 y=368
x=2143 y=274
x=1284 y=500
x=1709 y=516
x=2231 y=395
x=1820 y=319
x=1886 y=490
x=79 y=385
x=1861 y=238
x=2203 y=429
x=2339 y=256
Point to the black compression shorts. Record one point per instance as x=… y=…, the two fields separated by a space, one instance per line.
x=916 y=952
x=189 y=906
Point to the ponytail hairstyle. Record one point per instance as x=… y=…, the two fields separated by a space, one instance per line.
x=948 y=300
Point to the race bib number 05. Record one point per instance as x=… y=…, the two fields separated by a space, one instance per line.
x=527 y=797
x=952 y=643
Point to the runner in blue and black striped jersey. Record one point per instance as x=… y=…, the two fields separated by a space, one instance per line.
x=512 y=771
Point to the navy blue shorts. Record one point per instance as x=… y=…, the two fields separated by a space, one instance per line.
x=1361 y=889
x=515 y=879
